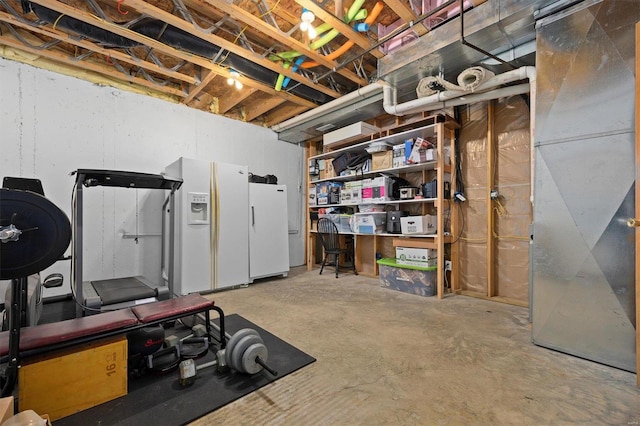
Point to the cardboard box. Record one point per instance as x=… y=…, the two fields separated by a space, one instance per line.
x=408 y=147
x=6 y=408
x=327 y=171
x=69 y=381
x=416 y=257
x=312 y=196
x=28 y=417
x=351 y=192
x=407 y=279
x=399 y=159
x=427 y=224
x=377 y=189
x=348 y=134
x=328 y=193
x=382 y=160
x=418 y=146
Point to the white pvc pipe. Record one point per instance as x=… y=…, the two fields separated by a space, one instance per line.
x=455 y=98
x=334 y=105
x=430 y=103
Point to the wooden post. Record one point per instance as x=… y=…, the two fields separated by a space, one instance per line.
x=439 y=211
x=454 y=212
x=311 y=238
x=637 y=265
x=491 y=270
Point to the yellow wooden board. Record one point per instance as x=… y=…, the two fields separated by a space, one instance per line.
x=69 y=381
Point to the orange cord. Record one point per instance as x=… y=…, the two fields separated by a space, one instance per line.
x=120 y=10
x=349 y=44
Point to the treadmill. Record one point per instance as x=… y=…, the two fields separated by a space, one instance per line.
x=116 y=293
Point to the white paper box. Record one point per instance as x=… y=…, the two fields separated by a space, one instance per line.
x=348 y=133
x=416 y=256
x=426 y=224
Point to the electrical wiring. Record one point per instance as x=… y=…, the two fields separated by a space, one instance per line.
x=499 y=208
x=459 y=237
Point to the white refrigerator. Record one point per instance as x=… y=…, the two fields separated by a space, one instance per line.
x=268 y=231
x=211 y=235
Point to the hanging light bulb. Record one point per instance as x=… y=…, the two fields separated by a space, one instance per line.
x=307 y=16
x=233 y=79
x=312 y=32
x=306 y=19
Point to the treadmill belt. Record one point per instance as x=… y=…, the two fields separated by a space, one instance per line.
x=118 y=290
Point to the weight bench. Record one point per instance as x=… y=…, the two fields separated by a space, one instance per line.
x=45 y=338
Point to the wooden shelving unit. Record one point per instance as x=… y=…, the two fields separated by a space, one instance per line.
x=368 y=246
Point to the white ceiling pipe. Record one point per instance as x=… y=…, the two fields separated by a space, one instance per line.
x=430 y=103
x=467 y=99
x=334 y=105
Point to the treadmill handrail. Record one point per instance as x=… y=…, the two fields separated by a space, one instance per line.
x=125 y=179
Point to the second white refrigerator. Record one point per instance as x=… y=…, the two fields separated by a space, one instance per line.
x=268 y=231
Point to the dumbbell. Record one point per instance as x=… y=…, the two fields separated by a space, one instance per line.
x=198 y=330
x=245 y=353
x=193 y=345
x=189 y=370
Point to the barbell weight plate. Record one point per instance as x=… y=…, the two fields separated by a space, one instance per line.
x=234 y=340
x=239 y=350
x=46 y=236
x=194 y=347
x=249 y=364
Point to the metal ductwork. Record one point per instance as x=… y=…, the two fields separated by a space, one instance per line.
x=498 y=26
x=362 y=104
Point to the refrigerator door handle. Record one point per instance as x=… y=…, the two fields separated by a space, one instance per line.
x=253 y=216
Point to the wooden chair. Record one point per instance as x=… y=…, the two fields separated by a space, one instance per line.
x=330 y=239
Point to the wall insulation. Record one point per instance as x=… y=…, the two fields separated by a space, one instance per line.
x=512 y=211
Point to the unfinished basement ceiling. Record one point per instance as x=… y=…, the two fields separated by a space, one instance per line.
x=184 y=50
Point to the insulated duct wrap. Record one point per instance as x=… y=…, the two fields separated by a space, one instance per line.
x=468 y=81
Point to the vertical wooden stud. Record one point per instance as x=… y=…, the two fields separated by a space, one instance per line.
x=637 y=265
x=491 y=269
x=439 y=210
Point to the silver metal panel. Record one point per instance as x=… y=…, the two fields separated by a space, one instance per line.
x=583 y=299
x=586 y=78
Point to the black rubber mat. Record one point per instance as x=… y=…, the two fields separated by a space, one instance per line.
x=160 y=400
x=118 y=290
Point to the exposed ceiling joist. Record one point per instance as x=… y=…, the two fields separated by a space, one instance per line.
x=244 y=16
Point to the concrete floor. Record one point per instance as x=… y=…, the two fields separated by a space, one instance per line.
x=386 y=357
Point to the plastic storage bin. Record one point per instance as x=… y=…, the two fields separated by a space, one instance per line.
x=370 y=223
x=342 y=221
x=407 y=279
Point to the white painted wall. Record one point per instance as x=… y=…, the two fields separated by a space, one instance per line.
x=52 y=124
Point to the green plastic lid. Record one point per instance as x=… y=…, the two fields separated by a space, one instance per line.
x=392 y=262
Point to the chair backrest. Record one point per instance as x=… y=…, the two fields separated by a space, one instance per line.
x=328 y=232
